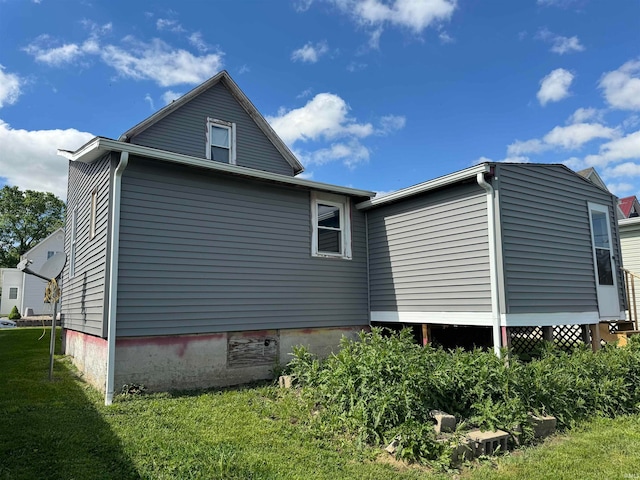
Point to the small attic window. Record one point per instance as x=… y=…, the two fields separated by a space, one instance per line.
x=221 y=141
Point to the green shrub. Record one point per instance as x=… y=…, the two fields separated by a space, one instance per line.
x=384 y=386
x=14 y=314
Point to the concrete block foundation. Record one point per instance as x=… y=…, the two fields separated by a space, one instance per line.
x=187 y=362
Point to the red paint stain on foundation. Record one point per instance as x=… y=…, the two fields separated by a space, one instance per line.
x=255 y=333
x=85 y=338
x=180 y=342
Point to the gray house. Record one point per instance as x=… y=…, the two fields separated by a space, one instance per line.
x=196 y=257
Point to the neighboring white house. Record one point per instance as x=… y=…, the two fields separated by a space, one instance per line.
x=32 y=286
x=27 y=291
x=11 y=284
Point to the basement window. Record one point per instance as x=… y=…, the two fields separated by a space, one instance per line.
x=331 y=226
x=221 y=141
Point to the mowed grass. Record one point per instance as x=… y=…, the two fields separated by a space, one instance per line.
x=61 y=429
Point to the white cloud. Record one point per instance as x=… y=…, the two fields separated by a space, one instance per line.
x=570 y=137
x=170 y=25
x=557 y=3
x=197 y=41
x=169 y=96
x=161 y=63
x=560 y=44
x=244 y=69
x=325 y=116
x=445 y=38
x=620 y=188
x=10 y=87
x=622 y=86
x=555 y=86
x=581 y=115
x=149 y=100
x=576 y=135
x=29 y=159
x=310 y=53
x=391 y=123
x=355 y=66
x=411 y=14
x=625 y=148
x=305 y=93
x=302 y=5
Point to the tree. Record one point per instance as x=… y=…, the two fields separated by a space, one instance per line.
x=26 y=218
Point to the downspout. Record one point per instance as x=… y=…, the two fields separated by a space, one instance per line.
x=493 y=270
x=113 y=277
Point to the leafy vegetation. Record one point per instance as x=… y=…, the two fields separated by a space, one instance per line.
x=384 y=386
x=26 y=218
x=14 y=314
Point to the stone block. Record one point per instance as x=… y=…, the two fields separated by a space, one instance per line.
x=487 y=443
x=285 y=381
x=28 y=312
x=444 y=421
x=542 y=426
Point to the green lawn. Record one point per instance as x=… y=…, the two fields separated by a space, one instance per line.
x=61 y=429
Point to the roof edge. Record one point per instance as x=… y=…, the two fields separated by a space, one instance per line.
x=426 y=186
x=42 y=241
x=97 y=147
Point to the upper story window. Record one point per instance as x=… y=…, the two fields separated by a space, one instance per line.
x=331 y=222
x=221 y=141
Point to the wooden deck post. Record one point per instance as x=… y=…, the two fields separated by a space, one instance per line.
x=586 y=336
x=595 y=337
x=425 y=334
x=547 y=334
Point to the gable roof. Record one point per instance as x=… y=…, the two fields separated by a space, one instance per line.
x=226 y=80
x=43 y=241
x=592 y=175
x=626 y=205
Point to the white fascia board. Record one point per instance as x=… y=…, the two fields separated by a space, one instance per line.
x=440 y=318
x=426 y=186
x=100 y=145
x=549 y=319
x=623 y=222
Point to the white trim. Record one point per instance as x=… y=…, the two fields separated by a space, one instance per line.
x=441 y=318
x=99 y=146
x=549 y=319
x=623 y=222
x=231 y=127
x=426 y=186
x=113 y=277
x=344 y=207
x=93 y=214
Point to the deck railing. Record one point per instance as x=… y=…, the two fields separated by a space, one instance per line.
x=630 y=284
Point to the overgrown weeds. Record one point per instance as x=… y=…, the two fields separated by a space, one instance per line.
x=384 y=386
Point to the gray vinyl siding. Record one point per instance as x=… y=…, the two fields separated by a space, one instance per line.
x=184 y=131
x=430 y=253
x=202 y=252
x=83 y=296
x=546 y=239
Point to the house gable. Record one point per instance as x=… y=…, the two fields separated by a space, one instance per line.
x=181 y=127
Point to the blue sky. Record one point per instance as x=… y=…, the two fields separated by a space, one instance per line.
x=376 y=94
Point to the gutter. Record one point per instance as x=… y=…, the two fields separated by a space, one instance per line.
x=113 y=277
x=493 y=267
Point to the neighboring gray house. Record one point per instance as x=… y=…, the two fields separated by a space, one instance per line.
x=11 y=290
x=196 y=258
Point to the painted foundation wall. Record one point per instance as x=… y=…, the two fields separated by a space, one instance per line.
x=89 y=355
x=186 y=362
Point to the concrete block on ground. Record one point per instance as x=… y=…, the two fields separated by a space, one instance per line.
x=285 y=381
x=444 y=421
x=543 y=426
x=393 y=446
x=487 y=443
x=28 y=312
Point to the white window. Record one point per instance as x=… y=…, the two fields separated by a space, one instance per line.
x=13 y=293
x=221 y=141
x=94 y=206
x=74 y=239
x=331 y=222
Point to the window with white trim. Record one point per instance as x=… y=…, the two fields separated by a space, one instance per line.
x=221 y=141
x=74 y=239
x=330 y=216
x=13 y=293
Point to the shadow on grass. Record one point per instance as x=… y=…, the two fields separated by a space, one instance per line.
x=51 y=429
